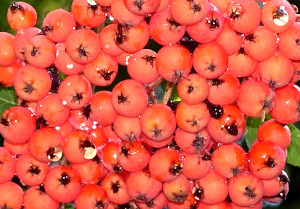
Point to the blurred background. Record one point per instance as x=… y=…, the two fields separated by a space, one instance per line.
x=43 y=7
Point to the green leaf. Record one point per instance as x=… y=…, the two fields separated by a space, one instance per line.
x=251 y=130
x=7 y=98
x=294 y=148
x=69 y=206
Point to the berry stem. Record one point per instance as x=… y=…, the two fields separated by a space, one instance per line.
x=168 y=92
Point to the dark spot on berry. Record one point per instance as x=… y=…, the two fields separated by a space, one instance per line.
x=192 y=122
x=131 y=137
x=117 y=169
x=86 y=144
x=190 y=89
x=249 y=192
x=77 y=97
x=235 y=171
x=188 y=42
x=279 y=12
x=157 y=132
x=34 y=170
x=216 y=111
x=100 y=204
x=115 y=187
x=86 y=111
x=42 y=188
x=272 y=84
x=198 y=142
x=266 y=104
x=213 y=23
x=217 y=82
x=198 y=193
x=14 y=7
x=34 y=51
x=282 y=195
x=179 y=197
x=176 y=168
x=138 y=4
x=250 y=37
x=149 y=59
x=121 y=33
x=4 y=122
x=4 y=206
x=105 y=9
x=65 y=179
x=270 y=163
x=82 y=52
x=106 y=74
x=232 y=129
x=51 y=153
x=176 y=76
x=173 y=104
x=236 y=12
x=125 y=151
x=211 y=67
x=206 y=157
x=28 y=88
x=297 y=42
x=122 y=98
x=150 y=204
x=142 y=197
x=41 y=121
x=45 y=30
x=124 y=206
x=173 y=24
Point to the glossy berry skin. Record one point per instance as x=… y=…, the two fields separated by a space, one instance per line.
x=63 y=184
x=222 y=205
x=36 y=197
x=142 y=186
x=192 y=118
x=188 y=12
x=259 y=101
x=46 y=145
x=211 y=189
x=12 y=195
x=52 y=110
x=258 y=205
x=107 y=39
x=30 y=171
x=83 y=45
x=16 y=149
x=128 y=129
x=278 y=15
x=195 y=166
x=159 y=202
x=8 y=73
x=158 y=122
x=8 y=165
x=109 y=157
x=173 y=62
x=275 y=132
x=286 y=108
x=102 y=109
x=189 y=202
x=115 y=188
x=210 y=60
x=64 y=63
x=133 y=156
x=177 y=190
x=165 y=164
x=86 y=14
x=75 y=91
x=91 y=196
x=32 y=83
x=229 y=160
x=266 y=160
x=193 y=89
x=245 y=189
x=40 y=51
x=164 y=29
x=143 y=8
x=58 y=24
x=17 y=125
x=273 y=187
x=21 y=15
x=7 y=55
x=129 y=98
x=289 y=42
x=102 y=71
x=229 y=127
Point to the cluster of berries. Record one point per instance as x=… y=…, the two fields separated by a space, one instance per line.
x=126 y=148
